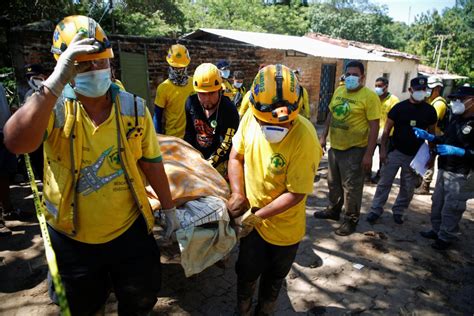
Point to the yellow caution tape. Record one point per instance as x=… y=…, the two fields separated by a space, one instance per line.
x=50 y=255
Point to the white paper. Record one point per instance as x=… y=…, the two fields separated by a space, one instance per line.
x=421 y=159
x=358 y=266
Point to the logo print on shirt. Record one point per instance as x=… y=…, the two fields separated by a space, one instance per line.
x=204 y=133
x=277 y=164
x=341 y=111
x=89 y=180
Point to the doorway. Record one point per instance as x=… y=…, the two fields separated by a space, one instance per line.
x=326 y=90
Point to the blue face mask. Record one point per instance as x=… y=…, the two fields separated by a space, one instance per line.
x=225 y=73
x=93 y=83
x=351 y=82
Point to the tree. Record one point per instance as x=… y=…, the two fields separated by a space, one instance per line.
x=457 y=24
x=354 y=20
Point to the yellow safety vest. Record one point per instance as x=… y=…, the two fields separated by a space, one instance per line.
x=63 y=153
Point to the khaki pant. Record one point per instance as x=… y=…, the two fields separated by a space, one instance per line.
x=346 y=181
x=395 y=161
x=451 y=192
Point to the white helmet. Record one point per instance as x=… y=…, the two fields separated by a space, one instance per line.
x=434 y=81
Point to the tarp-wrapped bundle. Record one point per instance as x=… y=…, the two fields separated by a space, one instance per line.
x=200 y=194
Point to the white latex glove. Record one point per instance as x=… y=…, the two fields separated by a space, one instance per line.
x=66 y=69
x=171 y=222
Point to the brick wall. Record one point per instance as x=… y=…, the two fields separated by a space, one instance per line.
x=29 y=46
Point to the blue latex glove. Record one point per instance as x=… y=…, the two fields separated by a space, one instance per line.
x=421 y=133
x=447 y=150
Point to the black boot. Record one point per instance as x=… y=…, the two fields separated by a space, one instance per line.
x=347 y=227
x=245 y=292
x=327 y=214
x=267 y=295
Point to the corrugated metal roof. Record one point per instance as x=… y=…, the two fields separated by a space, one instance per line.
x=304 y=45
x=373 y=48
x=430 y=71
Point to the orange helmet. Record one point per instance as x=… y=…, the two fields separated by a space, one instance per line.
x=207 y=78
x=178 y=56
x=275 y=95
x=70 y=26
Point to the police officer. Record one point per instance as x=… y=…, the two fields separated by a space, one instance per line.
x=455 y=181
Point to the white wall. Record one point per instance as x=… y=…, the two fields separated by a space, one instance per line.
x=397 y=70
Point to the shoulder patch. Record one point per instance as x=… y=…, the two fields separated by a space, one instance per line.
x=127 y=104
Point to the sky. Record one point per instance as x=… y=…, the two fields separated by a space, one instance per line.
x=399 y=10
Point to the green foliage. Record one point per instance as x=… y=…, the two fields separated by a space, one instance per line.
x=8 y=81
x=458 y=24
x=365 y=22
x=18 y=12
x=359 y=20
x=245 y=15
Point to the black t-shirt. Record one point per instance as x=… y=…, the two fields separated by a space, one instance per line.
x=459 y=132
x=405 y=116
x=213 y=140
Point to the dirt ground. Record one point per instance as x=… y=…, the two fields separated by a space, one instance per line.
x=384 y=269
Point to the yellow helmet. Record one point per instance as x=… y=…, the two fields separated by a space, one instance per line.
x=275 y=95
x=178 y=56
x=207 y=78
x=70 y=26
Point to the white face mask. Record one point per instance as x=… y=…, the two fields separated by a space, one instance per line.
x=238 y=85
x=274 y=134
x=457 y=107
x=379 y=91
x=419 y=95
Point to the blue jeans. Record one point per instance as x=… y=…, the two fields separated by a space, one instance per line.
x=130 y=264
x=449 y=199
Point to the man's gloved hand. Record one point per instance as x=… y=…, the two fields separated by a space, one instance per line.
x=237 y=205
x=171 y=222
x=421 y=133
x=448 y=150
x=66 y=69
x=250 y=219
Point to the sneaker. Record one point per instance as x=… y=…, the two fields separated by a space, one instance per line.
x=17 y=215
x=397 y=218
x=430 y=234
x=440 y=244
x=4 y=230
x=326 y=214
x=372 y=217
x=347 y=228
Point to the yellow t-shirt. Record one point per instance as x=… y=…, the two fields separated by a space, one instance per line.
x=439 y=103
x=244 y=106
x=227 y=88
x=172 y=99
x=351 y=113
x=304 y=105
x=273 y=169
x=387 y=105
x=106 y=207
